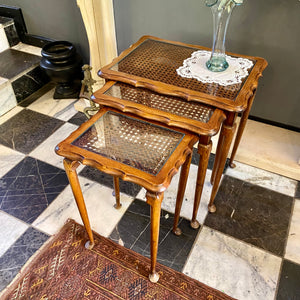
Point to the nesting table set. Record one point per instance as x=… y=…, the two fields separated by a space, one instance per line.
x=149 y=121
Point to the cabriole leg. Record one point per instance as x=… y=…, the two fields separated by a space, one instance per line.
x=118 y=204
x=240 y=131
x=154 y=200
x=180 y=193
x=217 y=158
x=226 y=137
x=70 y=167
x=204 y=149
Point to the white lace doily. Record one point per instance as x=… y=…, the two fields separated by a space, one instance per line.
x=194 y=67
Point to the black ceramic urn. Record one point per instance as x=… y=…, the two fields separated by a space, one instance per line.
x=63 y=65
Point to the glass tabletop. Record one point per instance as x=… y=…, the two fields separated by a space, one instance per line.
x=170 y=104
x=135 y=143
x=158 y=61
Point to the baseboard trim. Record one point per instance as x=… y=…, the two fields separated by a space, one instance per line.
x=35 y=40
x=273 y=123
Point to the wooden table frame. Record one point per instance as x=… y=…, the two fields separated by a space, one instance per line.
x=204 y=131
x=154 y=184
x=241 y=104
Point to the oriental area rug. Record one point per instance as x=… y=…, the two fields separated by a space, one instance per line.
x=64 y=269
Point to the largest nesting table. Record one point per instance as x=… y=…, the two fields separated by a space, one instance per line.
x=152 y=62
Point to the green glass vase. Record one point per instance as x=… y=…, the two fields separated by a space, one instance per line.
x=221 y=11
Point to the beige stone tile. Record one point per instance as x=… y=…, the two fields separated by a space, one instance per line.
x=269 y=148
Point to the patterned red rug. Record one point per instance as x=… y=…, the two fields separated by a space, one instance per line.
x=65 y=269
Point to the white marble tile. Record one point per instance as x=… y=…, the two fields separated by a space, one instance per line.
x=8 y=159
x=10 y=114
x=263 y=178
x=4 y=45
x=58 y=108
x=238 y=269
x=67 y=113
x=99 y=201
x=7 y=99
x=11 y=230
x=28 y=49
x=293 y=243
x=45 y=151
x=169 y=201
x=3 y=80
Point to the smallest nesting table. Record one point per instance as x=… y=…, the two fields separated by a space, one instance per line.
x=134 y=150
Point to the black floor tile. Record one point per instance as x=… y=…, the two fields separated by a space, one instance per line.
x=127 y=188
x=11 y=34
x=135 y=220
x=297 y=194
x=29 y=83
x=36 y=95
x=17 y=255
x=196 y=157
x=78 y=119
x=29 y=188
x=252 y=214
x=289 y=282
x=6 y=21
x=134 y=231
x=27 y=129
x=14 y=62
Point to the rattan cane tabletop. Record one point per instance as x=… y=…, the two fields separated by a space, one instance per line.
x=170 y=110
x=120 y=144
x=152 y=63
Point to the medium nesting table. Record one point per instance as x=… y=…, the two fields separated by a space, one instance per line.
x=134 y=150
x=152 y=63
x=202 y=120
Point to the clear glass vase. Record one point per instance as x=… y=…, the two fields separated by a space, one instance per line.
x=221 y=11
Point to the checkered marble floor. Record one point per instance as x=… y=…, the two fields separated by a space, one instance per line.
x=250 y=248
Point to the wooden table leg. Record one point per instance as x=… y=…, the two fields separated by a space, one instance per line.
x=217 y=158
x=118 y=204
x=204 y=149
x=154 y=200
x=240 y=130
x=226 y=136
x=180 y=193
x=70 y=167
